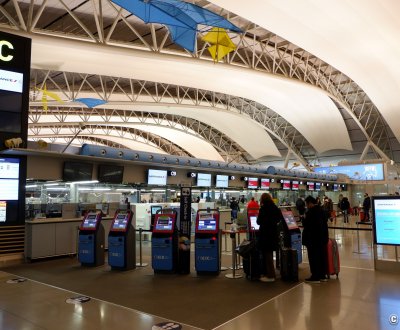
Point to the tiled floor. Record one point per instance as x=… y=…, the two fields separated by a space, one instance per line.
x=361 y=298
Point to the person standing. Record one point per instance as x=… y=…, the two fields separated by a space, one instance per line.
x=234 y=208
x=301 y=208
x=253 y=204
x=268 y=240
x=345 y=206
x=366 y=207
x=315 y=238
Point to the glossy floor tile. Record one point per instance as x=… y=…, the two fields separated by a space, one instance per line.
x=361 y=298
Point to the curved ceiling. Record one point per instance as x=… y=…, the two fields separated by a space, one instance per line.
x=358 y=37
x=307 y=108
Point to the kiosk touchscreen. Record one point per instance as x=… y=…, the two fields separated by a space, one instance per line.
x=91 y=240
x=207 y=242
x=253 y=225
x=121 y=242
x=164 y=243
x=292 y=234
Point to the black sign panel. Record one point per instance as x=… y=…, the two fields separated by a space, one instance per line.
x=184 y=230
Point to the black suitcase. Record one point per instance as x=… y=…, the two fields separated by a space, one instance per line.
x=252 y=266
x=289 y=265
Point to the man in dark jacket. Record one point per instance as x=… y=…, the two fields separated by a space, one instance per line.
x=301 y=207
x=366 y=206
x=315 y=238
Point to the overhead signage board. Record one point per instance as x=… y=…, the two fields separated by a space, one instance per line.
x=364 y=172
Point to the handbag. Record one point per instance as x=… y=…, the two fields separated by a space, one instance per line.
x=245 y=248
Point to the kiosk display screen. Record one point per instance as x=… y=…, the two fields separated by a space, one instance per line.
x=386 y=215
x=90 y=222
x=155 y=208
x=310 y=186
x=252 y=183
x=221 y=181
x=207 y=224
x=290 y=220
x=120 y=222
x=265 y=183
x=253 y=223
x=164 y=223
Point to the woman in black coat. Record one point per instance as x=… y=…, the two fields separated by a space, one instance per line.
x=268 y=240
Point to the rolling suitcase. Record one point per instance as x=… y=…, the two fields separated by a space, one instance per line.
x=252 y=265
x=333 y=262
x=289 y=265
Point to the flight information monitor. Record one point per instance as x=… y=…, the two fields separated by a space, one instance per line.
x=386 y=215
x=164 y=223
x=121 y=222
x=90 y=222
x=253 y=223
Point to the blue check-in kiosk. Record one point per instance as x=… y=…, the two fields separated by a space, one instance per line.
x=207 y=242
x=164 y=243
x=91 y=240
x=292 y=234
x=122 y=242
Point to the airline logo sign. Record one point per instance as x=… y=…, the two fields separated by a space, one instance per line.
x=5 y=47
x=11 y=81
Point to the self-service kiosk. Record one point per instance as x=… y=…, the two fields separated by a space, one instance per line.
x=121 y=242
x=207 y=242
x=91 y=240
x=292 y=234
x=164 y=243
x=154 y=209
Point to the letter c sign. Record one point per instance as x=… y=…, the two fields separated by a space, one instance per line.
x=4 y=43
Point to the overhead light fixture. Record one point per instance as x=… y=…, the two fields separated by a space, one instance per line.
x=83 y=182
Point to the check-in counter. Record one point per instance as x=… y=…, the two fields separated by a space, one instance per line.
x=55 y=237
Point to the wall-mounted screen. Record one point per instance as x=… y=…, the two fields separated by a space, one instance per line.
x=295 y=185
x=110 y=173
x=221 y=181
x=355 y=172
x=252 y=183
x=265 y=183
x=75 y=171
x=286 y=184
x=317 y=186
x=310 y=186
x=157 y=177
x=386 y=215
x=203 y=180
x=9 y=179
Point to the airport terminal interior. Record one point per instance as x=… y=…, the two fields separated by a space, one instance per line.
x=135 y=133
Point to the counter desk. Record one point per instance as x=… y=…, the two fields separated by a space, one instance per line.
x=52 y=237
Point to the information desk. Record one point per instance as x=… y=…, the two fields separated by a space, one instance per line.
x=54 y=237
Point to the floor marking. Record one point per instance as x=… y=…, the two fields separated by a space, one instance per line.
x=265 y=302
x=104 y=301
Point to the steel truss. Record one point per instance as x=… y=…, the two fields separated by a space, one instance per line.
x=101 y=21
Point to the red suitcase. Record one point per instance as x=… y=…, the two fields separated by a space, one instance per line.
x=362 y=215
x=333 y=258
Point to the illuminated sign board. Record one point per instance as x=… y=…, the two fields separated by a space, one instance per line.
x=365 y=172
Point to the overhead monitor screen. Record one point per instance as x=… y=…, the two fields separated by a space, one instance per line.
x=335 y=187
x=290 y=220
x=203 y=180
x=75 y=171
x=295 y=185
x=120 y=222
x=221 y=181
x=317 y=186
x=253 y=223
x=265 y=183
x=9 y=179
x=252 y=183
x=111 y=173
x=157 y=177
x=286 y=185
x=386 y=215
x=207 y=224
x=164 y=223
x=310 y=186
x=90 y=222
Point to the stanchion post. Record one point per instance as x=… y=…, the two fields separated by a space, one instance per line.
x=140 y=264
x=233 y=275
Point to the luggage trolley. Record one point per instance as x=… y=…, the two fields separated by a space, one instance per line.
x=207 y=242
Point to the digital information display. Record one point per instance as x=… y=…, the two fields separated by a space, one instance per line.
x=207 y=222
x=286 y=185
x=335 y=187
x=265 y=183
x=295 y=185
x=11 y=81
x=253 y=223
x=310 y=186
x=252 y=183
x=221 y=181
x=369 y=172
x=3 y=211
x=90 y=222
x=386 y=220
x=317 y=186
x=164 y=223
x=157 y=177
x=9 y=174
x=203 y=180
x=120 y=222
